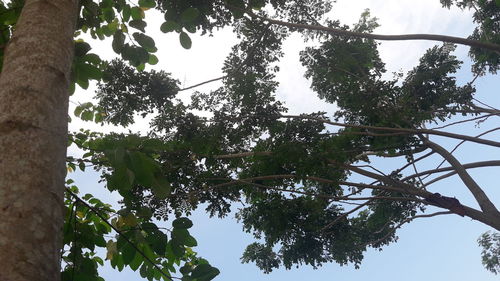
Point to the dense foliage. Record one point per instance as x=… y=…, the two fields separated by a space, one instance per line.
x=237 y=143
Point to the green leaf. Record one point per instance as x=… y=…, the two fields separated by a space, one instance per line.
x=138 y=24
x=158 y=242
x=81 y=48
x=85 y=70
x=185 y=40
x=160 y=187
x=128 y=253
x=183 y=223
x=81 y=165
x=145 y=41
x=152 y=59
x=169 y=26
x=121 y=179
x=147 y=3
x=137 y=13
x=118 y=41
x=180 y=235
x=190 y=14
x=204 y=272
x=136 y=262
x=141 y=67
x=177 y=249
x=190 y=28
x=92 y=58
x=126 y=13
x=191 y=242
x=84 y=83
x=143 y=168
x=109 y=14
x=135 y=55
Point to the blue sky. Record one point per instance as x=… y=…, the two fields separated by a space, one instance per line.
x=439 y=248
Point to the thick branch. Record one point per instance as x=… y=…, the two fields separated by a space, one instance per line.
x=482 y=199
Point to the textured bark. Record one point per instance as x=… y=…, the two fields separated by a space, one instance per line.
x=33 y=136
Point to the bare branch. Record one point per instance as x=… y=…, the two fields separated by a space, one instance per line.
x=341 y=32
x=406 y=221
x=402 y=130
x=491 y=163
x=203 y=83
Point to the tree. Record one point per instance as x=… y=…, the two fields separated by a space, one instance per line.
x=292 y=170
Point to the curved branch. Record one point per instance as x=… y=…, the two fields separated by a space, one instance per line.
x=491 y=163
x=482 y=199
x=383 y=37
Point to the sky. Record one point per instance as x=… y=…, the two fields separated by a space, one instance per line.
x=439 y=248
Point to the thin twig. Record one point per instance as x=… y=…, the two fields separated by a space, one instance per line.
x=406 y=221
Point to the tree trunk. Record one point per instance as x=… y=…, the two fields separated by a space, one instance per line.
x=33 y=137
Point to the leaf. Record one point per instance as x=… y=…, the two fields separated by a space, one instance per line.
x=109 y=14
x=185 y=40
x=111 y=250
x=145 y=41
x=160 y=187
x=136 y=262
x=85 y=70
x=190 y=28
x=183 y=223
x=190 y=14
x=138 y=24
x=118 y=41
x=169 y=26
x=135 y=55
x=177 y=249
x=191 y=241
x=126 y=13
x=128 y=253
x=143 y=168
x=92 y=58
x=121 y=179
x=204 y=272
x=158 y=242
x=81 y=48
x=147 y=3
x=84 y=83
x=137 y=13
x=180 y=235
x=152 y=59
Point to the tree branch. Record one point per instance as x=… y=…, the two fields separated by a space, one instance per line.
x=402 y=130
x=406 y=221
x=341 y=32
x=482 y=199
x=491 y=163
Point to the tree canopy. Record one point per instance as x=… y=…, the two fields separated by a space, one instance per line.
x=237 y=143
